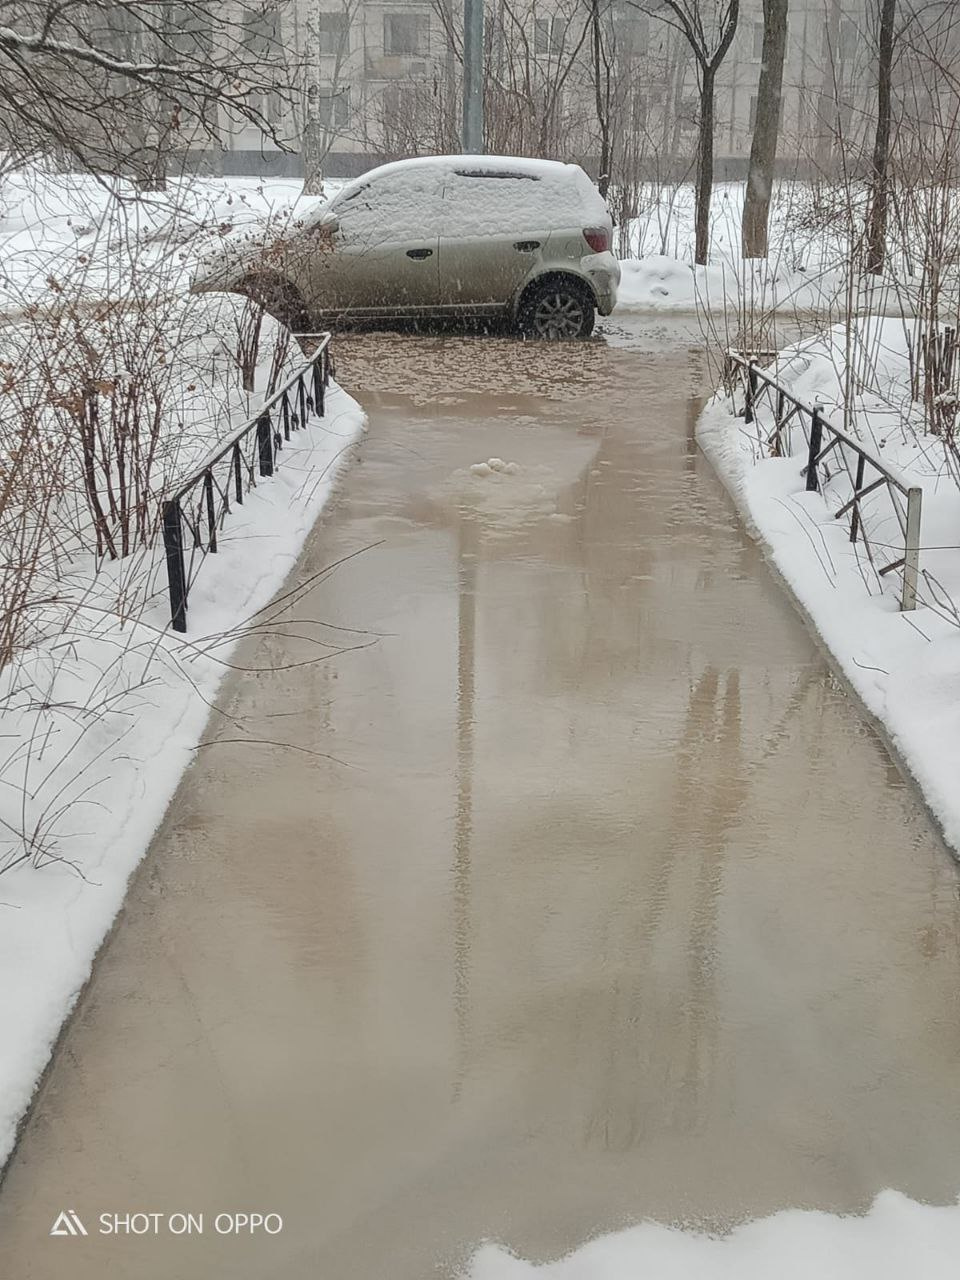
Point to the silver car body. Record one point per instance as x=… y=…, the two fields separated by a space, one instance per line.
x=442 y=235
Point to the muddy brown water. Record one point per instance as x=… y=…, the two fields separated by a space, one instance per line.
x=579 y=892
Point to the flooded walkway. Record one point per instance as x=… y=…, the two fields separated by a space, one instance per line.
x=576 y=892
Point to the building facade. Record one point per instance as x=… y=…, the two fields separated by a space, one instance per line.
x=385 y=79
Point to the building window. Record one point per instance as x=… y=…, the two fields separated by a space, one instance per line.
x=849 y=40
x=333 y=30
x=639 y=109
x=406 y=35
x=631 y=36
x=548 y=34
x=399 y=104
x=754 y=103
x=335 y=109
x=843 y=45
x=758 y=41
x=261 y=32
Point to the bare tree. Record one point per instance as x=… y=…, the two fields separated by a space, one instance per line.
x=603 y=88
x=766 y=131
x=708 y=26
x=330 y=35
x=109 y=83
x=526 y=80
x=879 y=171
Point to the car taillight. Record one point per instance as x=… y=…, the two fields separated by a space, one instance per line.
x=598 y=238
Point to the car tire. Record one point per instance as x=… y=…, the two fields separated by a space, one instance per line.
x=557 y=310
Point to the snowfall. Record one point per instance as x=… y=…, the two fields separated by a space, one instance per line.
x=131 y=700
x=106 y=708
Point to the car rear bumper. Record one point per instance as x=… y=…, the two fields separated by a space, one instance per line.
x=603 y=272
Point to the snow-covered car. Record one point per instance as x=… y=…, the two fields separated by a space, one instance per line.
x=470 y=236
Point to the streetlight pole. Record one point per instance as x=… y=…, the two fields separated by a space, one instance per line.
x=472 y=139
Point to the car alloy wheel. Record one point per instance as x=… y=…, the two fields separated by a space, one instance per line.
x=558 y=314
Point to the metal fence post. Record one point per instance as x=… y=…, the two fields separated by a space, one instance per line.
x=176 y=569
x=911 y=552
x=265 y=444
x=750 y=395
x=211 y=511
x=781 y=413
x=816 y=438
x=855 y=510
x=315 y=379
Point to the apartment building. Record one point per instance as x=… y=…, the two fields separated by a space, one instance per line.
x=386 y=74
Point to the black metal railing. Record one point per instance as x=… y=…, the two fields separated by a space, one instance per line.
x=195 y=513
x=823 y=444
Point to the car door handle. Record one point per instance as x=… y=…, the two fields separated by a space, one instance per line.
x=526 y=246
x=419 y=253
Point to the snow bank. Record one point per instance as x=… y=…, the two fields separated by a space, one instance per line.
x=806 y=270
x=94 y=232
x=103 y=706
x=728 y=284
x=659 y=283
x=114 y=708
x=897 y=1238
x=905 y=666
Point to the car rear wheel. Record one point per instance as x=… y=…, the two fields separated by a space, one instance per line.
x=557 y=310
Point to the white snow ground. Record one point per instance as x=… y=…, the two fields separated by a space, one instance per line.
x=806 y=271
x=897 y=1238
x=116 y=767
x=102 y=713
x=905 y=666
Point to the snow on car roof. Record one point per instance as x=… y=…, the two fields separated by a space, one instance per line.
x=555 y=174
x=495 y=164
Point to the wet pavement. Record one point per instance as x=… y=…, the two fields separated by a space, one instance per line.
x=576 y=891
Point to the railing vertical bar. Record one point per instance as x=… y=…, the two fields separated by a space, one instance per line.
x=781 y=411
x=816 y=435
x=911 y=560
x=855 y=509
x=176 y=567
x=750 y=394
x=238 y=472
x=211 y=511
x=265 y=444
x=285 y=415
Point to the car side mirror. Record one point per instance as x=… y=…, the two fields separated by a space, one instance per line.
x=329 y=223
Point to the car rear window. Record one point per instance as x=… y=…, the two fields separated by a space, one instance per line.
x=496 y=173
x=479 y=202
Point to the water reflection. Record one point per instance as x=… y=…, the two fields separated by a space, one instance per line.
x=615 y=909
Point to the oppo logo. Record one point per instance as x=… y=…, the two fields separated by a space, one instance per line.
x=68 y=1223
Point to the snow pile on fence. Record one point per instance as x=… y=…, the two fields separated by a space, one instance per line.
x=905 y=666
